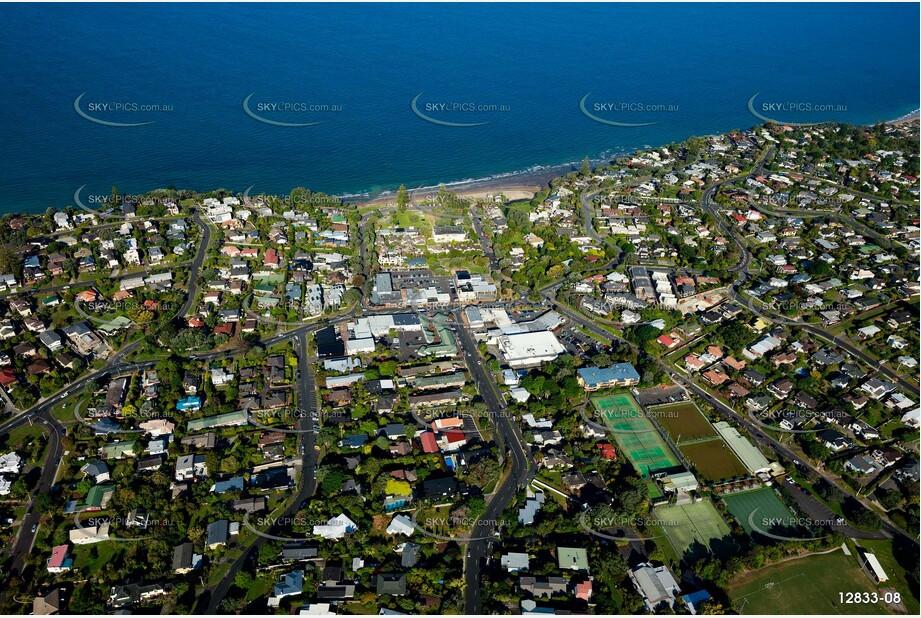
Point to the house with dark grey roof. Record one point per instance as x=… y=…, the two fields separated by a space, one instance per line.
x=293 y=552
x=410 y=555
x=218 y=533
x=185 y=559
x=249 y=505
x=392 y=584
x=98 y=470
x=543 y=586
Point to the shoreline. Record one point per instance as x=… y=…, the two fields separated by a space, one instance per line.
x=516 y=185
x=523 y=185
x=909 y=117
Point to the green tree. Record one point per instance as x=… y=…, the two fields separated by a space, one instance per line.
x=402 y=198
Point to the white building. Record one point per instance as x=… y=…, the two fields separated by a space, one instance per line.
x=11 y=463
x=448 y=234
x=90 y=534
x=336 y=528
x=528 y=349
x=656 y=585
x=401 y=524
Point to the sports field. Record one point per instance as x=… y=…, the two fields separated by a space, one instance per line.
x=682 y=420
x=770 y=513
x=694 y=530
x=714 y=460
x=808 y=585
x=653 y=488
x=635 y=434
x=618 y=403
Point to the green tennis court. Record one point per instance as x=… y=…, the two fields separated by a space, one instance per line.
x=635 y=434
x=694 y=530
x=770 y=513
x=618 y=403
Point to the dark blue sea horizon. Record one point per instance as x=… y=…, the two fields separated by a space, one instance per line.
x=697 y=66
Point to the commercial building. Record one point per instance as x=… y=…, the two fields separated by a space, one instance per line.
x=528 y=349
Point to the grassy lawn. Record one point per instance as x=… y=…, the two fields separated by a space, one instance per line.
x=484 y=426
x=361 y=608
x=551 y=477
x=218 y=574
x=898 y=578
x=261 y=587
x=25 y=434
x=808 y=585
x=64 y=411
x=414 y=218
x=661 y=541
x=90 y=560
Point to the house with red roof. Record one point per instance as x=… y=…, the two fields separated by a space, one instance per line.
x=224 y=329
x=715 y=377
x=442 y=424
x=668 y=341
x=452 y=440
x=271 y=258
x=584 y=590
x=429 y=443
x=195 y=323
x=607 y=450
x=7 y=377
x=88 y=296
x=59 y=560
x=735 y=364
x=693 y=362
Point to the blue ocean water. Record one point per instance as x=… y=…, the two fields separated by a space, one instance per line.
x=698 y=65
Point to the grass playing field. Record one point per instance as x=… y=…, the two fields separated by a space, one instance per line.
x=896 y=561
x=694 y=530
x=683 y=421
x=714 y=460
x=808 y=585
x=635 y=434
x=770 y=513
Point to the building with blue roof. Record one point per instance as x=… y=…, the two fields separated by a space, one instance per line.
x=694 y=600
x=290 y=584
x=618 y=374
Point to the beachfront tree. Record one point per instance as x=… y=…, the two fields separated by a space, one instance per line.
x=402 y=198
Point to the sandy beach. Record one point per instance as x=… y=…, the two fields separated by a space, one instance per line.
x=912 y=117
x=511 y=192
x=523 y=186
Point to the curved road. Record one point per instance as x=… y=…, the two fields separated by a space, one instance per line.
x=509 y=439
x=307 y=402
